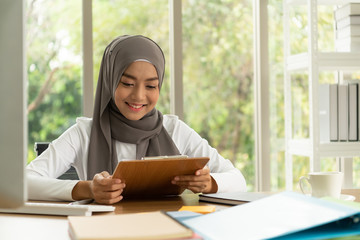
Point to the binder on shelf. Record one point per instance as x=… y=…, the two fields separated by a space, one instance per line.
x=324 y=112
x=334 y=113
x=347 y=10
x=353 y=112
x=358 y=109
x=343 y=112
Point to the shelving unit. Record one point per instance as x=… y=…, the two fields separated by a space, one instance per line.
x=313 y=62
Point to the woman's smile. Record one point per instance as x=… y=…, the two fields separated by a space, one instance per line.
x=135 y=107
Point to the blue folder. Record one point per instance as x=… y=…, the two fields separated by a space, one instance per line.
x=286 y=215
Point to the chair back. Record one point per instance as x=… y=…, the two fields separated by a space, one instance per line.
x=70 y=174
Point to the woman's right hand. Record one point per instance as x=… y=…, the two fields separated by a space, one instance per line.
x=106 y=190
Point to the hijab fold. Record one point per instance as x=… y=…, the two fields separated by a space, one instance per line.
x=109 y=124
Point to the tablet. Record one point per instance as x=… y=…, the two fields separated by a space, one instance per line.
x=153 y=177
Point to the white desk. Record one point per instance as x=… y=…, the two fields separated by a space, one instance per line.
x=29 y=227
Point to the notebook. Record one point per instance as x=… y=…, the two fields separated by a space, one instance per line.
x=232 y=198
x=150 y=225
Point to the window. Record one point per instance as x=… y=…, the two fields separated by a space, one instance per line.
x=218 y=77
x=276 y=82
x=121 y=17
x=54 y=68
x=217 y=66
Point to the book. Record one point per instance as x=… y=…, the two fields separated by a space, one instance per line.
x=324 y=112
x=353 y=112
x=349 y=20
x=349 y=44
x=153 y=177
x=334 y=132
x=232 y=198
x=286 y=215
x=349 y=31
x=347 y=10
x=343 y=112
x=149 y=225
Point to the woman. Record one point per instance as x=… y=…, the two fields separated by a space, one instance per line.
x=125 y=125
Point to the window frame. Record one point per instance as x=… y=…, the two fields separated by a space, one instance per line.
x=261 y=78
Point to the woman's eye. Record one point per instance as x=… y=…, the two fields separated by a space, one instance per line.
x=127 y=84
x=151 y=87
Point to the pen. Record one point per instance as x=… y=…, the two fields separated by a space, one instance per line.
x=82 y=202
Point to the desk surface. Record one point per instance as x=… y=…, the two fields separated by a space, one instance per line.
x=19 y=226
x=166 y=204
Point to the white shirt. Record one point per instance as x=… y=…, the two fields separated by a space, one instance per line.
x=71 y=149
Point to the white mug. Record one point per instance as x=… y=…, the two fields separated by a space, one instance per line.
x=323 y=184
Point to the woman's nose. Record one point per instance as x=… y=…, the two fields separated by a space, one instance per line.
x=138 y=93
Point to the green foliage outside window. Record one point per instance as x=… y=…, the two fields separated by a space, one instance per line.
x=218 y=77
x=217 y=63
x=217 y=43
x=54 y=68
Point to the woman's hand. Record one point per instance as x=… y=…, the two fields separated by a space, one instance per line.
x=201 y=182
x=106 y=190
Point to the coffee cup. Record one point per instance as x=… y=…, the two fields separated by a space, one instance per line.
x=322 y=184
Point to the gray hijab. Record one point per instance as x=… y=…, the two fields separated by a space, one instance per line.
x=109 y=124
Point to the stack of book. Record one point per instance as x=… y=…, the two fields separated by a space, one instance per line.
x=145 y=225
x=347 y=27
x=339 y=112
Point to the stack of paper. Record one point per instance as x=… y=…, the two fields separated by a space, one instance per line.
x=347 y=20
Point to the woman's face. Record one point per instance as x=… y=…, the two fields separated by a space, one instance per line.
x=138 y=90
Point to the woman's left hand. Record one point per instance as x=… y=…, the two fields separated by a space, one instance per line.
x=201 y=182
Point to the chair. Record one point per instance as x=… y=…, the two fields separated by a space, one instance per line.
x=70 y=174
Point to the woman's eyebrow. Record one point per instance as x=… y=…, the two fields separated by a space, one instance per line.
x=133 y=77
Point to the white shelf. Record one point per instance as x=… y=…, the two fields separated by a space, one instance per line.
x=322 y=2
x=302 y=147
x=336 y=61
x=312 y=63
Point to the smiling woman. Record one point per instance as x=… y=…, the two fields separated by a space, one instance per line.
x=126 y=125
